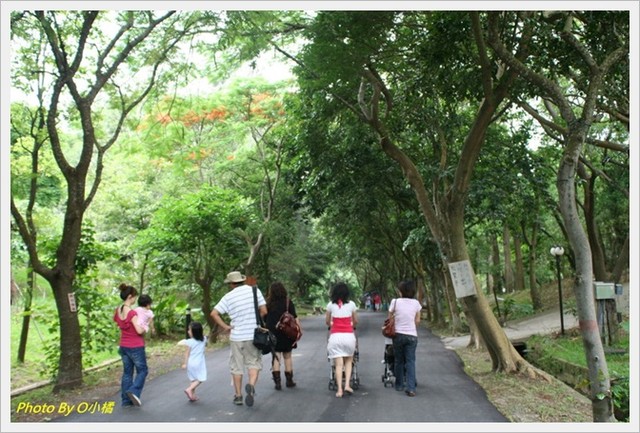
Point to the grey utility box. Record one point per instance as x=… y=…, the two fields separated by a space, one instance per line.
x=619 y=289
x=604 y=290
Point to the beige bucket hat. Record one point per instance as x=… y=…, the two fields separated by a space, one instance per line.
x=234 y=277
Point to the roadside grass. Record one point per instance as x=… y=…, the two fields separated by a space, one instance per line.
x=522 y=399
x=556 y=354
x=34 y=367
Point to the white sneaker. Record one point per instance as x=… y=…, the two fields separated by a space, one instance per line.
x=134 y=399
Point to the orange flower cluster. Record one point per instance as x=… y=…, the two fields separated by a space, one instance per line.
x=216 y=114
x=164 y=118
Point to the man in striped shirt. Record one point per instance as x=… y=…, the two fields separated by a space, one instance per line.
x=239 y=306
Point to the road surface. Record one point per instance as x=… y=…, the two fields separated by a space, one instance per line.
x=445 y=394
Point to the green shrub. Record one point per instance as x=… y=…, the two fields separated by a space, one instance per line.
x=510 y=309
x=570 y=349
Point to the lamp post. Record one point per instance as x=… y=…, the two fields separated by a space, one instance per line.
x=557 y=252
x=187 y=322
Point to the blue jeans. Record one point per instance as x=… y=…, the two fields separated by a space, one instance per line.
x=404 y=351
x=132 y=358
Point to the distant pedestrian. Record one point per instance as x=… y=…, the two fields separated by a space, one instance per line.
x=194 y=359
x=239 y=305
x=342 y=319
x=145 y=313
x=377 y=302
x=406 y=313
x=277 y=300
x=131 y=348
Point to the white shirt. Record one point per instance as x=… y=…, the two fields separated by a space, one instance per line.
x=238 y=304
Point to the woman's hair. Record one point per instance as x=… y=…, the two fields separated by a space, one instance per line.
x=196 y=331
x=277 y=291
x=340 y=292
x=407 y=288
x=126 y=291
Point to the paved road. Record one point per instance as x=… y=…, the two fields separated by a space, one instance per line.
x=444 y=394
x=541 y=324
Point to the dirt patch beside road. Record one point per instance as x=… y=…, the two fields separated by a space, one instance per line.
x=521 y=399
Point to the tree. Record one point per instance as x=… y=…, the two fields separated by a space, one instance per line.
x=91 y=65
x=198 y=235
x=593 y=56
x=229 y=138
x=361 y=80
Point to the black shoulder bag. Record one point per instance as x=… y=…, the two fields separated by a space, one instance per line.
x=263 y=339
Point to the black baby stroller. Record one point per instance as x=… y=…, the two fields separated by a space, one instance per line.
x=355 y=380
x=387 y=377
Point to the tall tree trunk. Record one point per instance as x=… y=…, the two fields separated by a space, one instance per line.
x=70 y=364
x=598 y=372
x=455 y=324
x=597 y=253
x=495 y=265
x=434 y=302
x=534 y=290
x=622 y=263
x=519 y=274
x=26 y=318
x=423 y=292
x=205 y=279
x=508 y=267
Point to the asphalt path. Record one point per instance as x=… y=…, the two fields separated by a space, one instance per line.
x=445 y=394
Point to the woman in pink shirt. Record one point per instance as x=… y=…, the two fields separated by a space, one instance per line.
x=341 y=318
x=131 y=348
x=406 y=311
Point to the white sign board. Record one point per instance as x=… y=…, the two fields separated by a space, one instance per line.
x=463 y=278
x=72 y=302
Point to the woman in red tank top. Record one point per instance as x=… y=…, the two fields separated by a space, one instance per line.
x=131 y=349
x=342 y=319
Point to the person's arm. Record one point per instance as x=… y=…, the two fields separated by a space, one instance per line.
x=152 y=327
x=299 y=326
x=327 y=318
x=215 y=315
x=262 y=310
x=354 y=319
x=136 y=324
x=186 y=357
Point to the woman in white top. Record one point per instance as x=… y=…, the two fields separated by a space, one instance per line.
x=406 y=311
x=341 y=318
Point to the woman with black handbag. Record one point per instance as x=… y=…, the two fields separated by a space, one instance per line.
x=406 y=314
x=278 y=303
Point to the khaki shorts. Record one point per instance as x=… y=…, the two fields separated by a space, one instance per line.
x=244 y=355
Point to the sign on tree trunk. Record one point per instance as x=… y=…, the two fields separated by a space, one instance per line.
x=463 y=279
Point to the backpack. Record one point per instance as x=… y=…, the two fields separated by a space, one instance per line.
x=288 y=325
